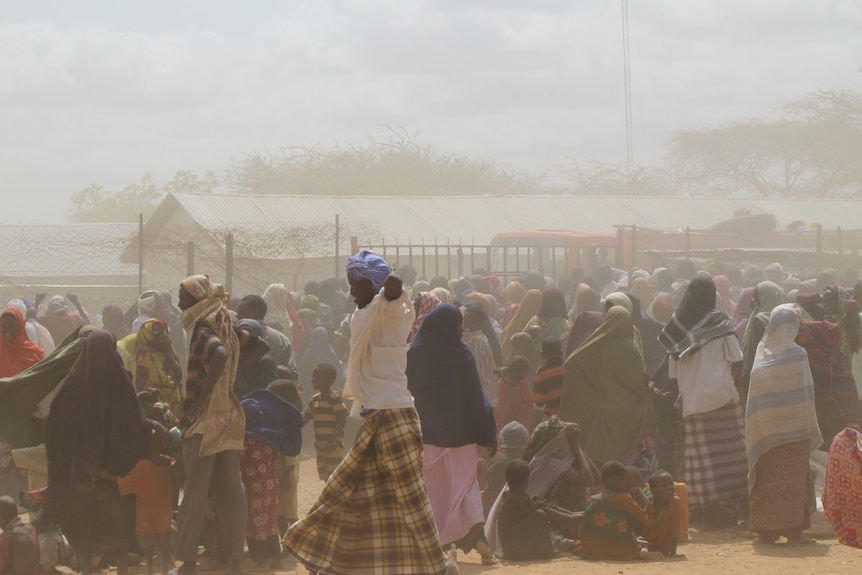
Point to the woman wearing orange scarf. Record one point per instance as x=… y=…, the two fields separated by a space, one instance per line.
x=17 y=352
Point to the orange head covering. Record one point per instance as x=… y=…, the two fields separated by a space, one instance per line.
x=18 y=353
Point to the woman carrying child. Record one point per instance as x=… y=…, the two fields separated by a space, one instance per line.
x=605 y=393
x=455 y=418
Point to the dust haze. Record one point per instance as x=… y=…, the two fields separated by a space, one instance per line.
x=105 y=92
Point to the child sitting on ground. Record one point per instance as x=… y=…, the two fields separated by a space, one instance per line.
x=151 y=481
x=610 y=522
x=329 y=414
x=514 y=397
x=524 y=523
x=549 y=378
x=512 y=440
x=667 y=515
x=19 y=543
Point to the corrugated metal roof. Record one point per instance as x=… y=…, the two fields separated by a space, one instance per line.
x=383 y=219
x=65 y=250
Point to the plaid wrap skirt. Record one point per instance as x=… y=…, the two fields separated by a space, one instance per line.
x=373 y=516
x=716 y=464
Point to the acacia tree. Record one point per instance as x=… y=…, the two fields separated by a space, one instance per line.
x=96 y=204
x=811 y=150
x=396 y=164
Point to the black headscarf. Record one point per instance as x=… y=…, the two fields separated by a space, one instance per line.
x=696 y=321
x=444 y=381
x=582 y=328
x=553 y=304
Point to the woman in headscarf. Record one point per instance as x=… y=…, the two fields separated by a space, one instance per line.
x=643 y=291
x=474 y=337
x=559 y=466
x=424 y=303
x=551 y=319
x=455 y=418
x=514 y=294
x=490 y=327
x=590 y=315
x=95 y=427
x=704 y=358
x=622 y=300
x=649 y=330
x=724 y=302
x=299 y=335
x=831 y=338
x=742 y=313
x=149 y=356
x=114 y=321
x=419 y=287
x=522 y=344
x=256 y=368
x=496 y=288
x=604 y=391
x=529 y=307
x=213 y=424
x=60 y=319
x=780 y=432
x=444 y=295
x=767 y=295
x=17 y=352
x=662 y=308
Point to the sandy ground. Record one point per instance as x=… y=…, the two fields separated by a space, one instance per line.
x=721 y=552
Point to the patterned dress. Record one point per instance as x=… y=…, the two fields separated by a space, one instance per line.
x=257 y=464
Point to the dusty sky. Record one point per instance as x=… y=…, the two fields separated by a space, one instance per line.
x=104 y=91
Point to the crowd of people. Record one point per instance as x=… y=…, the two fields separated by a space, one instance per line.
x=598 y=415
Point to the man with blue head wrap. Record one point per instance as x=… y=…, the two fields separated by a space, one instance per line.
x=368 y=265
x=379 y=485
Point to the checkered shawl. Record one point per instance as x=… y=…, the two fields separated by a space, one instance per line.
x=373 y=516
x=716 y=466
x=681 y=341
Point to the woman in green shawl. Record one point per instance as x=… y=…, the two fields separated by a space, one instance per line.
x=767 y=296
x=604 y=393
x=551 y=321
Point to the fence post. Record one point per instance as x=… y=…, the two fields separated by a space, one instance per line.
x=460 y=262
x=819 y=248
x=337 y=246
x=354 y=244
x=634 y=248
x=687 y=241
x=190 y=258
x=228 y=262
x=140 y=253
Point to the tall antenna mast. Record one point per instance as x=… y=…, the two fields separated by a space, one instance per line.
x=630 y=160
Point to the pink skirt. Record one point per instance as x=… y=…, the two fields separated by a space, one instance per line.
x=450 y=478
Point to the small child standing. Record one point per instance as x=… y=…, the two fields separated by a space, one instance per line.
x=667 y=513
x=549 y=378
x=524 y=523
x=610 y=522
x=514 y=397
x=151 y=481
x=329 y=414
